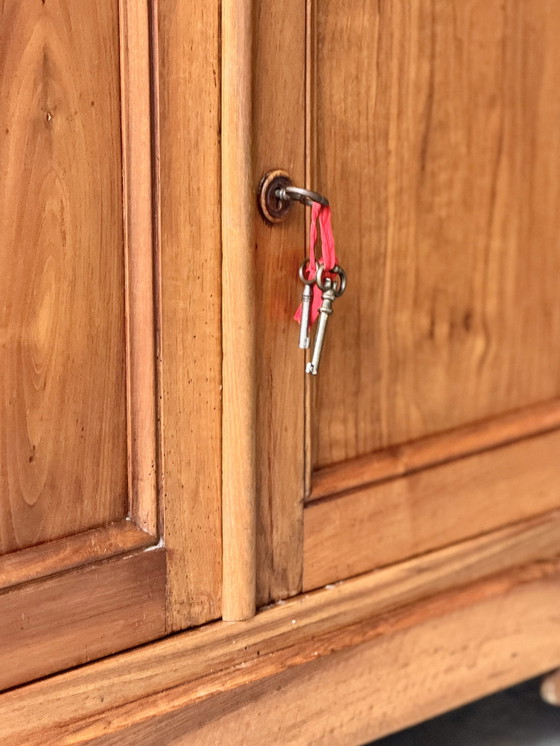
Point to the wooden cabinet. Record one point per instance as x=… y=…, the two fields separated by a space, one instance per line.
x=165 y=462
x=432 y=129
x=109 y=531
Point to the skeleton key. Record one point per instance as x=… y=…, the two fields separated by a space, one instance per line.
x=331 y=291
x=306 y=299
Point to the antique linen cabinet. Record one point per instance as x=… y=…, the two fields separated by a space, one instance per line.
x=165 y=462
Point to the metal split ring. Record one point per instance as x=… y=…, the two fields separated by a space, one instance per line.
x=337 y=288
x=302 y=267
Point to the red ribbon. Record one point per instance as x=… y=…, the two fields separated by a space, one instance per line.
x=328 y=254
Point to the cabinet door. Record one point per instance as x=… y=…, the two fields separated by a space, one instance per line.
x=432 y=128
x=85 y=567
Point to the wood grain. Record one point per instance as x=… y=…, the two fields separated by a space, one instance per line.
x=63 y=464
x=437 y=143
x=279 y=141
x=214 y=649
x=239 y=500
x=136 y=102
x=187 y=175
x=404 y=517
x=73 y=591
x=47 y=626
x=72 y=551
x=390 y=675
x=435 y=449
x=419 y=660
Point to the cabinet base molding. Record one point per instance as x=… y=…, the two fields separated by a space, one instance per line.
x=384 y=650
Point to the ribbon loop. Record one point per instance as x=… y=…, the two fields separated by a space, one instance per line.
x=322 y=215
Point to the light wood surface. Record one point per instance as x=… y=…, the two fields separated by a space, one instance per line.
x=78 y=315
x=139 y=246
x=437 y=144
x=279 y=141
x=391 y=674
x=376 y=673
x=75 y=617
x=210 y=651
x=187 y=178
x=435 y=449
x=239 y=311
x=63 y=462
x=72 y=551
x=404 y=517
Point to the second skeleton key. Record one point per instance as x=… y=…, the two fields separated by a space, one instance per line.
x=306 y=300
x=331 y=290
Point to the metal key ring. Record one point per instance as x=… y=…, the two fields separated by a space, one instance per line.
x=302 y=267
x=337 y=289
x=297 y=194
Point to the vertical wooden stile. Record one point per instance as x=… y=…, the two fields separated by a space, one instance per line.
x=238 y=316
x=187 y=178
x=279 y=142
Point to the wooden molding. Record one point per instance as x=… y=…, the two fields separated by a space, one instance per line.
x=55 y=557
x=363 y=682
x=395 y=519
x=434 y=450
x=139 y=250
x=189 y=669
x=47 y=626
x=238 y=315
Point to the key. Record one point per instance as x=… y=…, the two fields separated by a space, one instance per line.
x=306 y=298
x=331 y=291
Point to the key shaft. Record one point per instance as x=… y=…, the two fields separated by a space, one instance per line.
x=324 y=312
x=305 y=313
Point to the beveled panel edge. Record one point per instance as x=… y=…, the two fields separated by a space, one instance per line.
x=390 y=521
x=139 y=242
x=61 y=555
x=434 y=450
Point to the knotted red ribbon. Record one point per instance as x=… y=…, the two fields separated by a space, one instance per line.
x=328 y=254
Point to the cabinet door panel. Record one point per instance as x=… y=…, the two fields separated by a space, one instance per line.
x=432 y=128
x=448 y=139
x=84 y=547
x=439 y=159
x=63 y=396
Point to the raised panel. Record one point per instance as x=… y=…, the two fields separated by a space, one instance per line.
x=437 y=141
x=63 y=422
x=80 y=576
